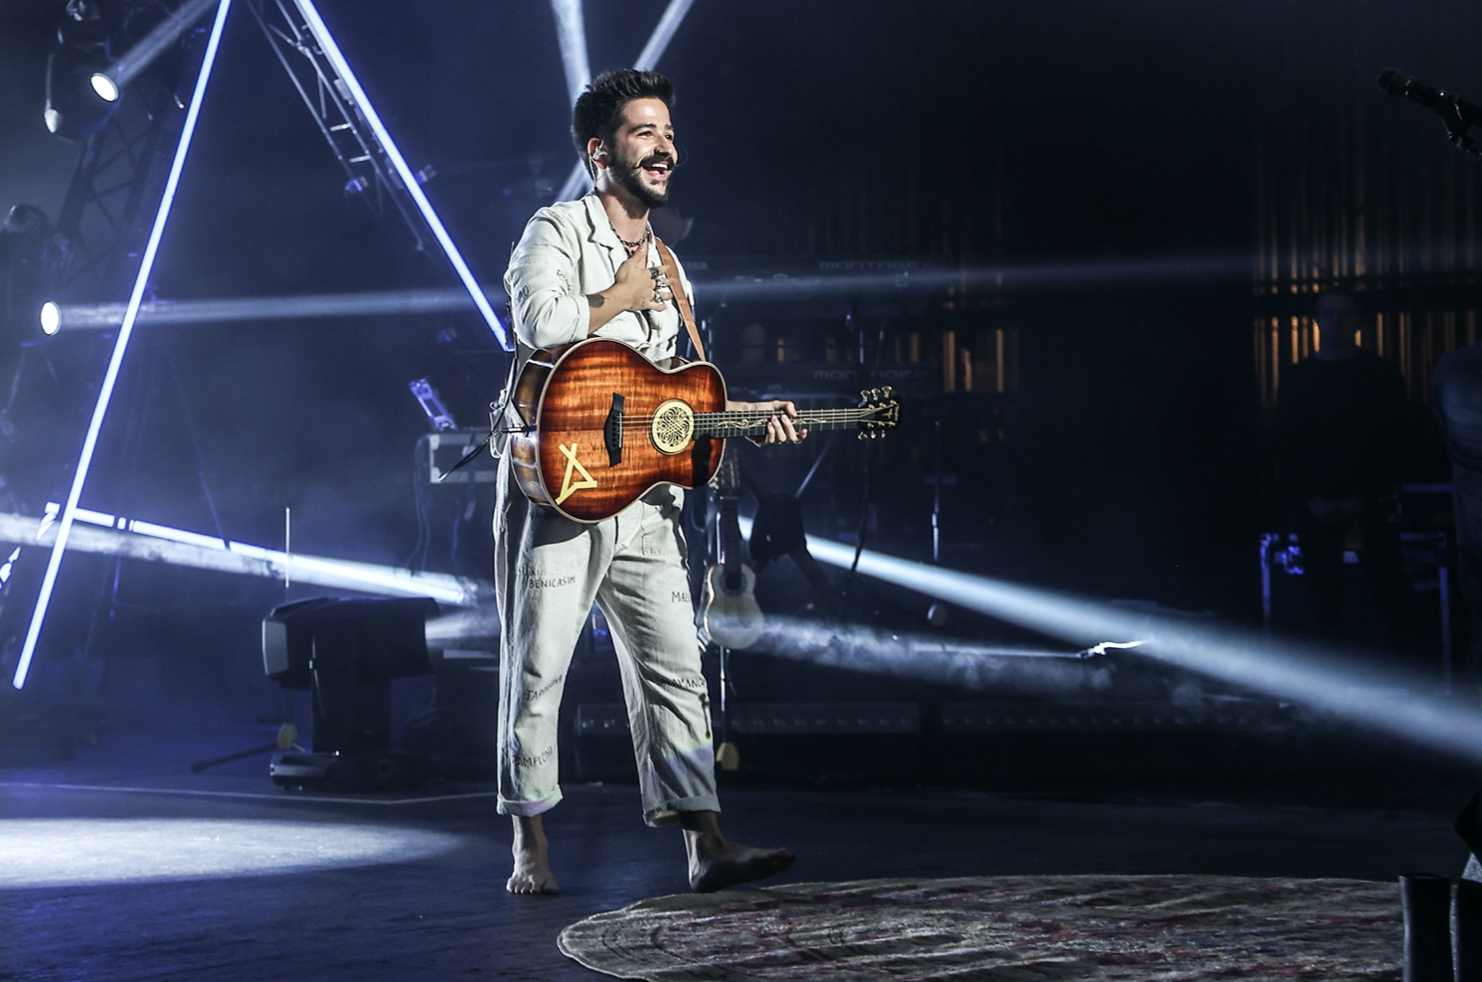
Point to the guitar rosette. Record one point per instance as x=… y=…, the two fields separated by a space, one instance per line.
x=673 y=426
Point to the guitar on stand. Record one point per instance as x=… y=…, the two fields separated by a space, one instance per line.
x=729 y=613
x=730 y=617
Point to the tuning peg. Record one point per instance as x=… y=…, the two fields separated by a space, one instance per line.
x=887 y=392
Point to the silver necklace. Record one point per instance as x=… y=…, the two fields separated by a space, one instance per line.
x=631 y=246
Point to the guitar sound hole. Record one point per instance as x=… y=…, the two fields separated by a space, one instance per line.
x=673 y=426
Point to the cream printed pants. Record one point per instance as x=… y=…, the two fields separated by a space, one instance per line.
x=548 y=572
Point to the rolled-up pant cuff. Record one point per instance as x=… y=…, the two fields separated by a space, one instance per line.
x=669 y=814
x=528 y=809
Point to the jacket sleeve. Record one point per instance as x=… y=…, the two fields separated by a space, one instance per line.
x=543 y=284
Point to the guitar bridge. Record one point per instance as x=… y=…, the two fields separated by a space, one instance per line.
x=612 y=431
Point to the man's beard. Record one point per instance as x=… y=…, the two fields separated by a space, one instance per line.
x=628 y=175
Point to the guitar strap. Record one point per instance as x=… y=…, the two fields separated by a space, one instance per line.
x=671 y=270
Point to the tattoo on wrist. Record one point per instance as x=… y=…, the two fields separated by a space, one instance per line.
x=596 y=299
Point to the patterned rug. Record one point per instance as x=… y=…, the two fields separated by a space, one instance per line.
x=1006 y=929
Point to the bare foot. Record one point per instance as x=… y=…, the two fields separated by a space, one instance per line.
x=717 y=862
x=716 y=865
x=532 y=873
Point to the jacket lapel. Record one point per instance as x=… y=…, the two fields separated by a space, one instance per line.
x=600 y=231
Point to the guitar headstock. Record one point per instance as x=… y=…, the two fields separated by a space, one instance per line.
x=882 y=412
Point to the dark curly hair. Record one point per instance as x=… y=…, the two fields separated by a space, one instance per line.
x=599 y=110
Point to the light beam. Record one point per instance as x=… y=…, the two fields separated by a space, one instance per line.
x=408 y=179
x=111 y=81
x=961 y=664
x=571 y=32
x=843 y=286
x=82 y=852
x=110 y=535
x=1388 y=700
x=120 y=347
x=309 y=306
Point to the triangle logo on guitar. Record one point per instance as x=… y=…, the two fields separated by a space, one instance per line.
x=568 y=488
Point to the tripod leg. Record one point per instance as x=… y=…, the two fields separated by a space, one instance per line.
x=727 y=756
x=816 y=576
x=201 y=765
x=287 y=740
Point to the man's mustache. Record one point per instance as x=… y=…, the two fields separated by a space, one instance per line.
x=658 y=158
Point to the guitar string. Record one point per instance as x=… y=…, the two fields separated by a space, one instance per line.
x=744 y=424
x=806 y=413
x=807 y=416
x=701 y=422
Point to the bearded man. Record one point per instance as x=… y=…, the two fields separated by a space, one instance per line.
x=585 y=268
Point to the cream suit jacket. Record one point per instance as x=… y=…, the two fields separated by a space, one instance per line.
x=568 y=252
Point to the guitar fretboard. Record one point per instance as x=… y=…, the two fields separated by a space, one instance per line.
x=745 y=422
x=742 y=422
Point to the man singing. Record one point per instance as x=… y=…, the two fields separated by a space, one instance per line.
x=583 y=268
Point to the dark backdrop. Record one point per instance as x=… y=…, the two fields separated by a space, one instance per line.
x=1061 y=132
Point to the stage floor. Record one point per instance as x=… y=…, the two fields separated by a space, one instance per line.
x=122 y=865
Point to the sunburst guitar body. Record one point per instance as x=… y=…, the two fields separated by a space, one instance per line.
x=602 y=425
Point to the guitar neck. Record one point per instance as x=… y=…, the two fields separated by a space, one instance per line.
x=746 y=422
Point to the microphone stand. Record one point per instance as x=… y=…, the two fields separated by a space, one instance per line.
x=1457 y=114
x=1458 y=130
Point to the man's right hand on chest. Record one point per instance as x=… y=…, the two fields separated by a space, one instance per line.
x=637 y=287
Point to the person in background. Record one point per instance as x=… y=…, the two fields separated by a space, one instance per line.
x=1341 y=446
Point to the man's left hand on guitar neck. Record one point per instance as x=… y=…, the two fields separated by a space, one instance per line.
x=780 y=428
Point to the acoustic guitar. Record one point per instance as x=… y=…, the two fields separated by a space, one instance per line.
x=729 y=613
x=601 y=425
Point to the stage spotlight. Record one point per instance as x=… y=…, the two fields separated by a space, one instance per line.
x=51 y=318
x=74 y=110
x=109 y=82
x=346 y=652
x=26 y=258
x=106 y=88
